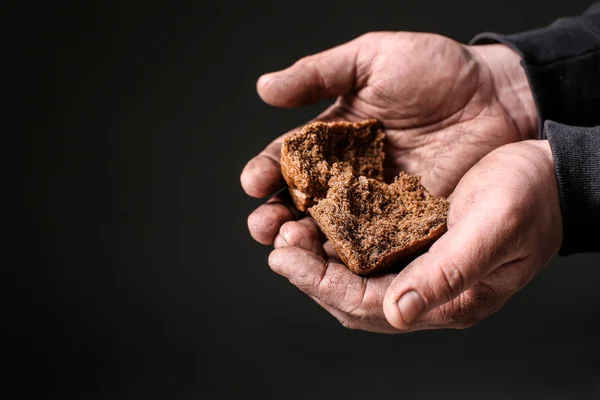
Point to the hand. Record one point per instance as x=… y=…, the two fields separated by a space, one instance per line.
x=443 y=105
x=504 y=225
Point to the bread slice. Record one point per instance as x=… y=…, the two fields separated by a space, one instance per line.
x=307 y=156
x=373 y=225
x=335 y=172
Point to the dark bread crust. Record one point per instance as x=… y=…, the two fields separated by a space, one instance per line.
x=307 y=156
x=402 y=254
x=387 y=260
x=372 y=225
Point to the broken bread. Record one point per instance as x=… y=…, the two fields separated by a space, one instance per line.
x=373 y=225
x=307 y=156
x=334 y=171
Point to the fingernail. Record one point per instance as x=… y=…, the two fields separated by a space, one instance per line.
x=411 y=305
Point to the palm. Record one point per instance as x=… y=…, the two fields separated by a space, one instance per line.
x=437 y=126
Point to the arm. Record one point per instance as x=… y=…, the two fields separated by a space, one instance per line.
x=562 y=63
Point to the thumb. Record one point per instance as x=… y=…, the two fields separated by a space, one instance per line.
x=324 y=75
x=465 y=254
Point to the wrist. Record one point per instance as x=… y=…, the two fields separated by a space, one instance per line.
x=545 y=152
x=543 y=165
x=511 y=86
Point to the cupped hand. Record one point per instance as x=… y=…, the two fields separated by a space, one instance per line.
x=443 y=106
x=504 y=225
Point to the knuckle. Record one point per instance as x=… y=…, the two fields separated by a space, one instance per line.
x=473 y=306
x=349 y=294
x=464 y=317
x=334 y=283
x=482 y=293
x=377 y=36
x=304 y=281
x=311 y=66
x=348 y=291
x=301 y=62
x=306 y=59
x=356 y=297
x=310 y=63
x=370 y=36
x=309 y=276
x=452 y=279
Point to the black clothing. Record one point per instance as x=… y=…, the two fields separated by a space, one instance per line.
x=562 y=63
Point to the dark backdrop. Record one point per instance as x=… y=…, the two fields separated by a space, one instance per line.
x=133 y=274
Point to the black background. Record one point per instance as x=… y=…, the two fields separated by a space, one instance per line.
x=133 y=274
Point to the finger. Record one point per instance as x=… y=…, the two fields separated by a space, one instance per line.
x=327 y=74
x=262 y=177
x=351 y=322
x=482 y=300
x=304 y=234
x=265 y=222
x=470 y=250
x=331 y=282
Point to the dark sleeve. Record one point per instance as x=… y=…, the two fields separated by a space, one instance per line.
x=576 y=152
x=562 y=63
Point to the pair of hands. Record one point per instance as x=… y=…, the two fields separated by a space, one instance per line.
x=461 y=117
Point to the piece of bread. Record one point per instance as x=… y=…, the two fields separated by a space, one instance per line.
x=335 y=172
x=373 y=225
x=307 y=156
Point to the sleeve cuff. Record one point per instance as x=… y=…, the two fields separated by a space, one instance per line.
x=576 y=152
x=562 y=64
